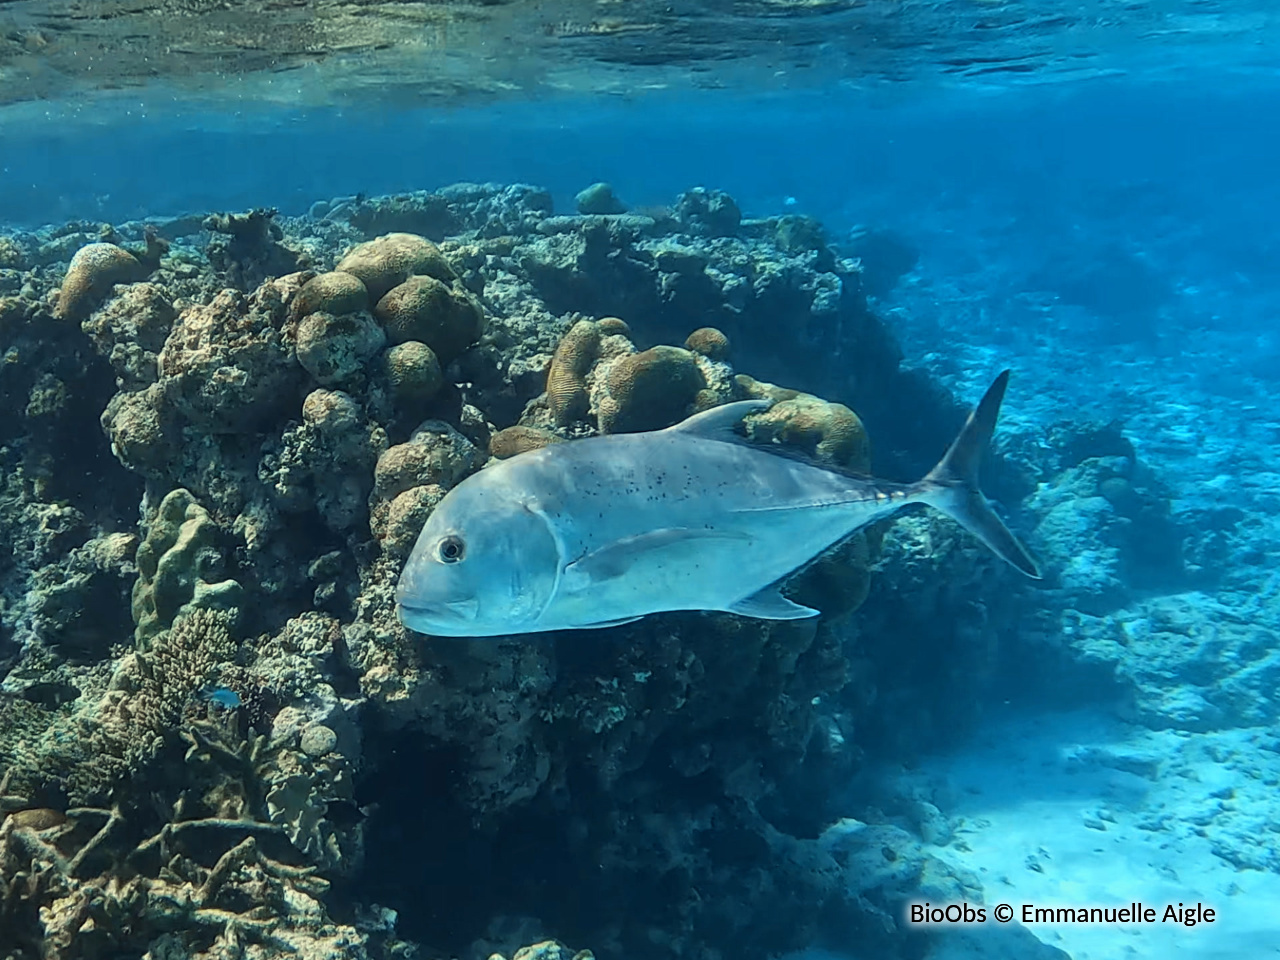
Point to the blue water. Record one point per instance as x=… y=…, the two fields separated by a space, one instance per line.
x=845 y=156
x=1110 y=736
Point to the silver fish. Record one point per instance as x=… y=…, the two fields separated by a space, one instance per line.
x=605 y=530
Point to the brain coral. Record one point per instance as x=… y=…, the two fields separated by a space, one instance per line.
x=94 y=270
x=649 y=390
x=709 y=342
x=335 y=293
x=426 y=310
x=830 y=432
x=566 y=377
x=519 y=439
x=390 y=260
x=413 y=371
x=613 y=326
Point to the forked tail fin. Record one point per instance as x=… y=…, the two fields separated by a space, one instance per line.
x=952 y=486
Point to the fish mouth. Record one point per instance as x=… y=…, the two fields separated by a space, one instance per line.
x=444 y=610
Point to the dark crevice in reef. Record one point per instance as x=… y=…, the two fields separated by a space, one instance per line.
x=424 y=856
x=54 y=401
x=583 y=869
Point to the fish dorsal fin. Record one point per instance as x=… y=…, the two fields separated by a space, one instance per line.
x=718 y=422
x=770 y=604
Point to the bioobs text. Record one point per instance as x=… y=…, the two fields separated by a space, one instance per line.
x=949 y=913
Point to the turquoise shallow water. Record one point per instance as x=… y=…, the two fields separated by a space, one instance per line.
x=232 y=402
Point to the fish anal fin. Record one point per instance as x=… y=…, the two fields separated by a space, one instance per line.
x=770 y=604
x=718 y=423
x=614 y=559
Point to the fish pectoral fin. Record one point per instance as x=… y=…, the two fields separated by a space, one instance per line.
x=770 y=604
x=615 y=559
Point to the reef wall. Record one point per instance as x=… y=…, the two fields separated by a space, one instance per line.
x=225 y=433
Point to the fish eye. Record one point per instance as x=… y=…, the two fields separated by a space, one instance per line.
x=451 y=549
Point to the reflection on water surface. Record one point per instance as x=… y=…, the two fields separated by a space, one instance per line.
x=322 y=51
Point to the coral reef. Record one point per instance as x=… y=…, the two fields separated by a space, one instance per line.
x=426 y=310
x=98 y=267
x=390 y=260
x=648 y=390
x=254 y=757
x=599 y=198
x=567 y=375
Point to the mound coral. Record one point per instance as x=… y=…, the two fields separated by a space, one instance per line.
x=390 y=260
x=566 y=377
x=413 y=371
x=709 y=342
x=411 y=478
x=430 y=311
x=324 y=463
x=337 y=293
x=94 y=270
x=519 y=439
x=829 y=432
x=334 y=348
x=179 y=562
x=599 y=198
x=649 y=390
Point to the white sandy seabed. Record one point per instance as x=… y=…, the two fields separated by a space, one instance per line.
x=1079 y=810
